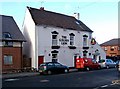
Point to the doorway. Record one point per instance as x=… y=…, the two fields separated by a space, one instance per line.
x=40 y=60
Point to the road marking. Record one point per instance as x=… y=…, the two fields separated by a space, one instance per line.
x=112 y=84
x=9 y=80
x=105 y=86
x=43 y=81
x=96 y=88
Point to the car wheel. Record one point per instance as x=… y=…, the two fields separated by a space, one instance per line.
x=99 y=67
x=87 y=68
x=49 y=72
x=107 y=67
x=66 y=71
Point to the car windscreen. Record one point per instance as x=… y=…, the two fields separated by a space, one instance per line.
x=42 y=64
x=101 y=61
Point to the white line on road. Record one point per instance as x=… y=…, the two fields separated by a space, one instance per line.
x=44 y=81
x=105 y=86
x=112 y=84
x=96 y=88
x=9 y=80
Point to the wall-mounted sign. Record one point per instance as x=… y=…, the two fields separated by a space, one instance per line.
x=93 y=41
x=64 y=40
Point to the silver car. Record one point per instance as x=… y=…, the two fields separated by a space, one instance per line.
x=107 y=63
x=119 y=65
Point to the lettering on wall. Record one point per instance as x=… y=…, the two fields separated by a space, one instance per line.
x=64 y=40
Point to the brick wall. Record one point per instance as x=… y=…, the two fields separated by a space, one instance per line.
x=17 y=58
x=110 y=52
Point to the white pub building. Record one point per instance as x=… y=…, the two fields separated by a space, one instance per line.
x=57 y=37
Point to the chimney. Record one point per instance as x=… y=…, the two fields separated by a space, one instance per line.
x=76 y=15
x=41 y=8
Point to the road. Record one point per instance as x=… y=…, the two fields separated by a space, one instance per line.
x=95 y=79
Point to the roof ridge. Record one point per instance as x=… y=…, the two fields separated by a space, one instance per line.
x=6 y=16
x=111 y=41
x=56 y=19
x=51 y=12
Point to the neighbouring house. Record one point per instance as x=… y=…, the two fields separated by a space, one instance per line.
x=112 y=48
x=57 y=37
x=11 y=43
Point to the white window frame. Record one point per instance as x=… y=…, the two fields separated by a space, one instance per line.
x=72 y=40
x=55 y=41
x=105 y=48
x=85 y=42
x=8 y=59
x=55 y=58
x=8 y=43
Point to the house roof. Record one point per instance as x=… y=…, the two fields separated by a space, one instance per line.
x=112 y=42
x=44 y=17
x=9 y=26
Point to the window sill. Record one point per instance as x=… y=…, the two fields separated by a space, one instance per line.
x=85 y=47
x=72 y=47
x=55 y=47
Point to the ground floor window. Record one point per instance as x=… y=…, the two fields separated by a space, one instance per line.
x=85 y=53
x=8 y=59
x=54 y=57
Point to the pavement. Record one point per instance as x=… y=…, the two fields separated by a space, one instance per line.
x=25 y=74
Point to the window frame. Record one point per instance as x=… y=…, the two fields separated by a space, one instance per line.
x=8 y=60
x=85 y=42
x=72 y=39
x=55 y=58
x=7 y=43
x=7 y=35
x=54 y=41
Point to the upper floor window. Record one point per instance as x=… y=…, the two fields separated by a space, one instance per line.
x=112 y=48
x=85 y=40
x=105 y=48
x=6 y=35
x=54 y=38
x=118 y=48
x=72 y=39
x=7 y=43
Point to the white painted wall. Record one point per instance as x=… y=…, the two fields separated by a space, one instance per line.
x=101 y=51
x=16 y=44
x=66 y=55
x=29 y=34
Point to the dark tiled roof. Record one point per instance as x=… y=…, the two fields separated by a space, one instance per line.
x=10 y=26
x=112 y=42
x=43 y=17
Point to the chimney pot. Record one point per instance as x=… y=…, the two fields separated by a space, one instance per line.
x=77 y=15
x=41 y=8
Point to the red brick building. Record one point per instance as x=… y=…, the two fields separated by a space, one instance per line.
x=112 y=48
x=11 y=44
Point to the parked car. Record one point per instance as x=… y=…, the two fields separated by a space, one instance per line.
x=87 y=63
x=118 y=65
x=107 y=63
x=52 y=67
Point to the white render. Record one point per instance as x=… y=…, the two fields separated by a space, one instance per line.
x=101 y=52
x=39 y=42
x=15 y=44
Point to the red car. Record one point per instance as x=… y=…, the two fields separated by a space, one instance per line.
x=86 y=63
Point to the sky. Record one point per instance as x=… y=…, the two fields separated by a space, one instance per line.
x=101 y=16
